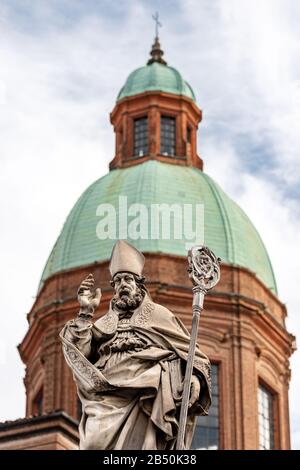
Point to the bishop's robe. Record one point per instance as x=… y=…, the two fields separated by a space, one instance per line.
x=129 y=370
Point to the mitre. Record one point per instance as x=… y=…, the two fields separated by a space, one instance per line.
x=126 y=258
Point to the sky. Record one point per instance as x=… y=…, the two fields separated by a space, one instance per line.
x=62 y=64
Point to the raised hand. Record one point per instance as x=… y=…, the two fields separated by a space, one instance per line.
x=88 y=296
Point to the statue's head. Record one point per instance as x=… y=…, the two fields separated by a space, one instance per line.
x=126 y=266
x=129 y=290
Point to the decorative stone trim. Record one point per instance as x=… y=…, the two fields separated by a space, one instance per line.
x=108 y=323
x=143 y=316
x=84 y=370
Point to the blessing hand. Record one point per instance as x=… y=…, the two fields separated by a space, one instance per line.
x=88 y=296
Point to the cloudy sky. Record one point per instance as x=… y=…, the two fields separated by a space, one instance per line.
x=62 y=63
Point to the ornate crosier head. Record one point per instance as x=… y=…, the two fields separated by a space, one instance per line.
x=204 y=267
x=129 y=290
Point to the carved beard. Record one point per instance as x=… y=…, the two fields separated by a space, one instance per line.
x=128 y=302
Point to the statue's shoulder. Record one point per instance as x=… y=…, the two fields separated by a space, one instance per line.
x=152 y=314
x=166 y=319
x=160 y=310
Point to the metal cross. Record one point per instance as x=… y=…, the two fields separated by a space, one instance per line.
x=157 y=23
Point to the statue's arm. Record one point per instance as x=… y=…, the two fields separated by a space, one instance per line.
x=79 y=330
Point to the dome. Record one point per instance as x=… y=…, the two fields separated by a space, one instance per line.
x=227 y=229
x=156 y=77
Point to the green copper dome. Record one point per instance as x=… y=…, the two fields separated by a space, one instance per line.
x=156 y=77
x=227 y=229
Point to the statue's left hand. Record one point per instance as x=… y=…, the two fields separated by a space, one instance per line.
x=195 y=390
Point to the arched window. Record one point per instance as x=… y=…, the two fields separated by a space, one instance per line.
x=140 y=137
x=265 y=418
x=207 y=431
x=167 y=135
x=37 y=405
x=189 y=135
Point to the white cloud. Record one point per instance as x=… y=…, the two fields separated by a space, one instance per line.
x=59 y=79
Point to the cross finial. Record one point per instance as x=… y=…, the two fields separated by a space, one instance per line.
x=157 y=23
x=156 y=52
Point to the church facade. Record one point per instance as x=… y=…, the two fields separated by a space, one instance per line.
x=242 y=328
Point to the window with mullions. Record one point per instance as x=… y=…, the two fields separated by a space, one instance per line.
x=207 y=431
x=266 y=418
x=167 y=135
x=140 y=137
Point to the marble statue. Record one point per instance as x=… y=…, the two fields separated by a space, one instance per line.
x=129 y=364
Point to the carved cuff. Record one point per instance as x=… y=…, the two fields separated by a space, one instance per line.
x=85 y=314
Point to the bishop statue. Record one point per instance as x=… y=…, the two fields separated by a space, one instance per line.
x=129 y=364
